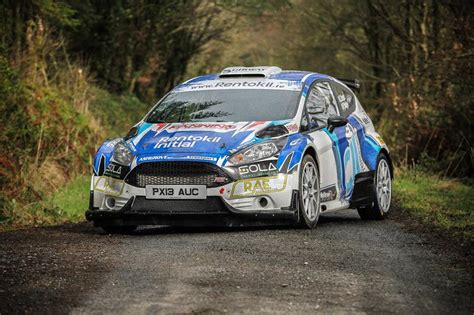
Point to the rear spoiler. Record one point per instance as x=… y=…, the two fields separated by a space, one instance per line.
x=352 y=84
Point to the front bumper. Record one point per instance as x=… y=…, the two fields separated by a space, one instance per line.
x=121 y=218
x=234 y=204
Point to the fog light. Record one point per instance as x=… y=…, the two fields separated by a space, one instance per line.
x=110 y=203
x=263 y=202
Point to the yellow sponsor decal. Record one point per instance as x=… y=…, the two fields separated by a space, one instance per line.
x=109 y=186
x=379 y=138
x=258 y=186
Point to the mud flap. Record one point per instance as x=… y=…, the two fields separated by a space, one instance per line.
x=363 y=194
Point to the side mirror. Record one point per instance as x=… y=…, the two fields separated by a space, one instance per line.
x=336 y=121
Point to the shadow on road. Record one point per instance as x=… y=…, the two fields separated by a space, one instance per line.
x=324 y=220
x=338 y=218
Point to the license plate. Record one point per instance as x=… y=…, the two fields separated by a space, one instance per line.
x=176 y=192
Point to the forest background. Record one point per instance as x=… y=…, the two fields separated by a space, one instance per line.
x=75 y=72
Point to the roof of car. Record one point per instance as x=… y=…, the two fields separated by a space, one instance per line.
x=263 y=73
x=289 y=75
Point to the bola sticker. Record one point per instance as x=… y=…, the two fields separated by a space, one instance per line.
x=258 y=169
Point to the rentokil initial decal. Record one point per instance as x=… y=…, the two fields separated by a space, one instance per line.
x=184 y=141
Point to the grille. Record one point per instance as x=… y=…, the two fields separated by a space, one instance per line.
x=177 y=173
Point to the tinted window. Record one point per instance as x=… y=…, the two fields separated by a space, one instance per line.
x=226 y=105
x=345 y=98
x=321 y=104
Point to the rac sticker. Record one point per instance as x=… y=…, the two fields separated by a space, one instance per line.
x=108 y=185
x=258 y=186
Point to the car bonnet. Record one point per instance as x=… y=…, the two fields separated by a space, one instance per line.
x=216 y=139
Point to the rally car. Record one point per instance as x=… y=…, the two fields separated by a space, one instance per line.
x=247 y=146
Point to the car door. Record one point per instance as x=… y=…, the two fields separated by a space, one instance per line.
x=320 y=105
x=353 y=130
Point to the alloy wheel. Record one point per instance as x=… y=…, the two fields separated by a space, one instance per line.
x=383 y=186
x=310 y=194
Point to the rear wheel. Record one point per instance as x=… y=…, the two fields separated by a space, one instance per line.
x=125 y=229
x=309 y=193
x=382 y=192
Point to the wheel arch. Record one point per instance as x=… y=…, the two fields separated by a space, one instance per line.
x=390 y=163
x=311 y=151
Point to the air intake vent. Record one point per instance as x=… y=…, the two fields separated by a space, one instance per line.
x=177 y=173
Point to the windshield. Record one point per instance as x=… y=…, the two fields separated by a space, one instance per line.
x=225 y=106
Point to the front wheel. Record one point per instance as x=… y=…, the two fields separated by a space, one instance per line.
x=382 y=192
x=309 y=193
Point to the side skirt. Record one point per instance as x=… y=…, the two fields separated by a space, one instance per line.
x=363 y=194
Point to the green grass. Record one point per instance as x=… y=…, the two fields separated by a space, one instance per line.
x=441 y=204
x=73 y=199
x=68 y=204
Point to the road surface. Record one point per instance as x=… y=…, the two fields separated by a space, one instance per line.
x=345 y=265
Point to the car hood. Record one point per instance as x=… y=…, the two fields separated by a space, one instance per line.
x=213 y=138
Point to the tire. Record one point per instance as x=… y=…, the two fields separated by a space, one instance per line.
x=309 y=193
x=125 y=229
x=382 y=192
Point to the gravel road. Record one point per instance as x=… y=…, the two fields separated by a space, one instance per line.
x=345 y=265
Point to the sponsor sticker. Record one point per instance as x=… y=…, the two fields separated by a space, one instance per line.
x=258 y=169
x=231 y=70
x=364 y=118
x=116 y=170
x=328 y=194
x=187 y=126
x=109 y=186
x=220 y=179
x=258 y=186
x=292 y=128
x=379 y=139
x=295 y=142
x=220 y=127
x=241 y=84
x=168 y=157
x=184 y=141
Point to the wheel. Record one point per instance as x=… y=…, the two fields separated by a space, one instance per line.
x=309 y=205
x=123 y=229
x=382 y=192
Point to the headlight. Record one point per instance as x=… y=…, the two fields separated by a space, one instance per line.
x=257 y=152
x=122 y=154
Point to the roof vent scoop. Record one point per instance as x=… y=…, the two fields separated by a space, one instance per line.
x=241 y=72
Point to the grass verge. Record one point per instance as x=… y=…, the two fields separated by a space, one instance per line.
x=72 y=199
x=442 y=205
x=67 y=204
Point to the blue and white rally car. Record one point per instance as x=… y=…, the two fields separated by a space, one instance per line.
x=248 y=146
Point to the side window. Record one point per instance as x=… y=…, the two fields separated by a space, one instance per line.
x=331 y=103
x=304 y=122
x=320 y=105
x=345 y=98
